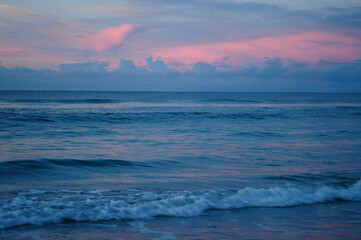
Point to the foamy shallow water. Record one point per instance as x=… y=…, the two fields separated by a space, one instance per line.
x=316 y=221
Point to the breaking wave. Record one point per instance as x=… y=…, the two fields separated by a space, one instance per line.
x=38 y=207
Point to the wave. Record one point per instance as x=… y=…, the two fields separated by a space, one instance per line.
x=129 y=117
x=229 y=100
x=21 y=167
x=312 y=179
x=68 y=101
x=56 y=206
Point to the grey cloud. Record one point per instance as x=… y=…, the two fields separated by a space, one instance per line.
x=203 y=67
x=324 y=71
x=273 y=68
x=84 y=67
x=158 y=66
x=345 y=17
x=347 y=72
x=127 y=66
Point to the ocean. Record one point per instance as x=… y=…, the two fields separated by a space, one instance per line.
x=179 y=165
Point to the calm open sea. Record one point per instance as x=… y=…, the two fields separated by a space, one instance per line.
x=171 y=165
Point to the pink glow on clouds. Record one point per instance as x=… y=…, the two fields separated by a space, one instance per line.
x=310 y=47
x=106 y=38
x=5 y=6
x=8 y=7
x=7 y=51
x=14 y=10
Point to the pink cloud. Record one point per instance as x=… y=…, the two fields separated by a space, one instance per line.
x=106 y=38
x=310 y=47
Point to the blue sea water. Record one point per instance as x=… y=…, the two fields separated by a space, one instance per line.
x=173 y=165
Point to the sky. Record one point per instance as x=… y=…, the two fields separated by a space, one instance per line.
x=188 y=45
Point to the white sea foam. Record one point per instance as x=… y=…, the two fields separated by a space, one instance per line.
x=44 y=207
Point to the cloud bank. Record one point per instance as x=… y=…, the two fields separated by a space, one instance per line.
x=274 y=75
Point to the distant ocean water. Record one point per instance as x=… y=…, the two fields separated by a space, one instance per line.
x=172 y=165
